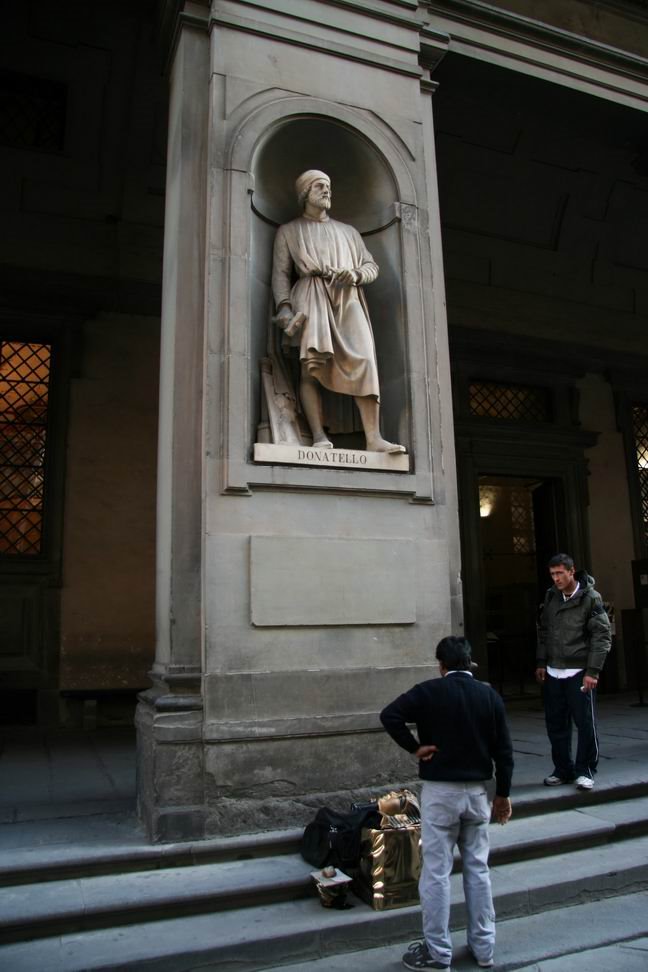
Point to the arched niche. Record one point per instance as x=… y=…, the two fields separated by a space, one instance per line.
x=366 y=195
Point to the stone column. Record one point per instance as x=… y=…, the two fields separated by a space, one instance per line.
x=434 y=46
x=169 y=716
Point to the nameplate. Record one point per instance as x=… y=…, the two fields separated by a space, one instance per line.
x=297 y=455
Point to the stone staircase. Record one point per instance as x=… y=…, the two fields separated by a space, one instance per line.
x=247 y=903
x=82 y=889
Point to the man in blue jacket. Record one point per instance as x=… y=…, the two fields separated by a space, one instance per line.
x=462 y=731
x=573 y=642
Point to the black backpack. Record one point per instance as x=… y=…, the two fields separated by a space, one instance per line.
x=333 y=837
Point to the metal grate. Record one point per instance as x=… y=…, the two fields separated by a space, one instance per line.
x=522 y=403
x=24 y=396
x=640 y=431
x=32 y=112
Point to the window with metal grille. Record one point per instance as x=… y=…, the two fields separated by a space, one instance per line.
x=523 y=403
x=24 y=399
x=640 y=432
x=32 y=112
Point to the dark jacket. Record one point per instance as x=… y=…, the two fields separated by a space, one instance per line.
x=574 y=633
x=465 y=719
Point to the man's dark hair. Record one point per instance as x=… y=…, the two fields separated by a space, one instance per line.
x=454 y=653
x=561 y=560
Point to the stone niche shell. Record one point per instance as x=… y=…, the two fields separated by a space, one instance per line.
x=365 y=195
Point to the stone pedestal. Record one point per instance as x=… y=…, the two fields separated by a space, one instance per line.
x=298 y=595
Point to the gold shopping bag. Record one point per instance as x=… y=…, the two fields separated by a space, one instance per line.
x=390 y=866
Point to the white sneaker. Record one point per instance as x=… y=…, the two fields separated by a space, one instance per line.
x=482 y=963
x=584 y=782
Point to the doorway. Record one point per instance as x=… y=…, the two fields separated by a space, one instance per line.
x=521 y=524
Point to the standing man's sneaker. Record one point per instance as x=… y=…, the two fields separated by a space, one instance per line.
x=482 y=963
x=555 y=780
x=418 y=956
x=584 y=782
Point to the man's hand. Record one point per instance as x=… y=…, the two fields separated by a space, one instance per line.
x=502 y=810
x=540 y=675
x=425 y=753
x=589 y=683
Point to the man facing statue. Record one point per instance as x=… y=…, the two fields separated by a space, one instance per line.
x=325 y=312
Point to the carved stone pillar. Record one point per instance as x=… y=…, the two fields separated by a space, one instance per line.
x=294 y=598
x=169 y=716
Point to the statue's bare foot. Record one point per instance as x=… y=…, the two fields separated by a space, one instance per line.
x=382 y=445
x=322 y=443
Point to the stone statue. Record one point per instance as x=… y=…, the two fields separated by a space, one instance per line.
x=325 y=313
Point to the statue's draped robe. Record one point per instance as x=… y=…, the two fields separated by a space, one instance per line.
x=336 y=341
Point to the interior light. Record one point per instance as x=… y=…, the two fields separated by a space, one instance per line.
x=487 y=496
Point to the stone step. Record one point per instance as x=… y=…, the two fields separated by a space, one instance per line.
x=270 y=936
x=81 y=847
x=97 y=901
x=38 y=850
x=608 y=934
x=590 y=824
x=57 y=907
x=532 y=799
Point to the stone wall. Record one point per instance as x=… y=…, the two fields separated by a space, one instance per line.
x=82 y=169
x=108 y=595
x=609 y=509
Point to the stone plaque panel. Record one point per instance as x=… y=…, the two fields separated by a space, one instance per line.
x=332 y=581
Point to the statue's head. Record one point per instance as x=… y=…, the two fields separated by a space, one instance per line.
x=317 y=183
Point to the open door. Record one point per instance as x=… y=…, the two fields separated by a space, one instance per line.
x=522 y=524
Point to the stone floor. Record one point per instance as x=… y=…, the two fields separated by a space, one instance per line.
x=64 y=773
x=68 y=773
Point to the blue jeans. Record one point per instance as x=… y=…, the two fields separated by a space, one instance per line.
x=456 y=814
x=564 y=702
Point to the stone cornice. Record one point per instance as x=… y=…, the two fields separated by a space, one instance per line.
x=377 y=11
x=172 y=15
x=479 y=28
x=311 y=41
x=472 y=27
x=632 y=9
x=506 y=23
x=434 y=47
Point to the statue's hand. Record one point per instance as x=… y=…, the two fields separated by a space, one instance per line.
x=284 y=316
x=349 y=277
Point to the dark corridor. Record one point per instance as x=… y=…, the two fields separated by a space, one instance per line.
x=521 y=526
